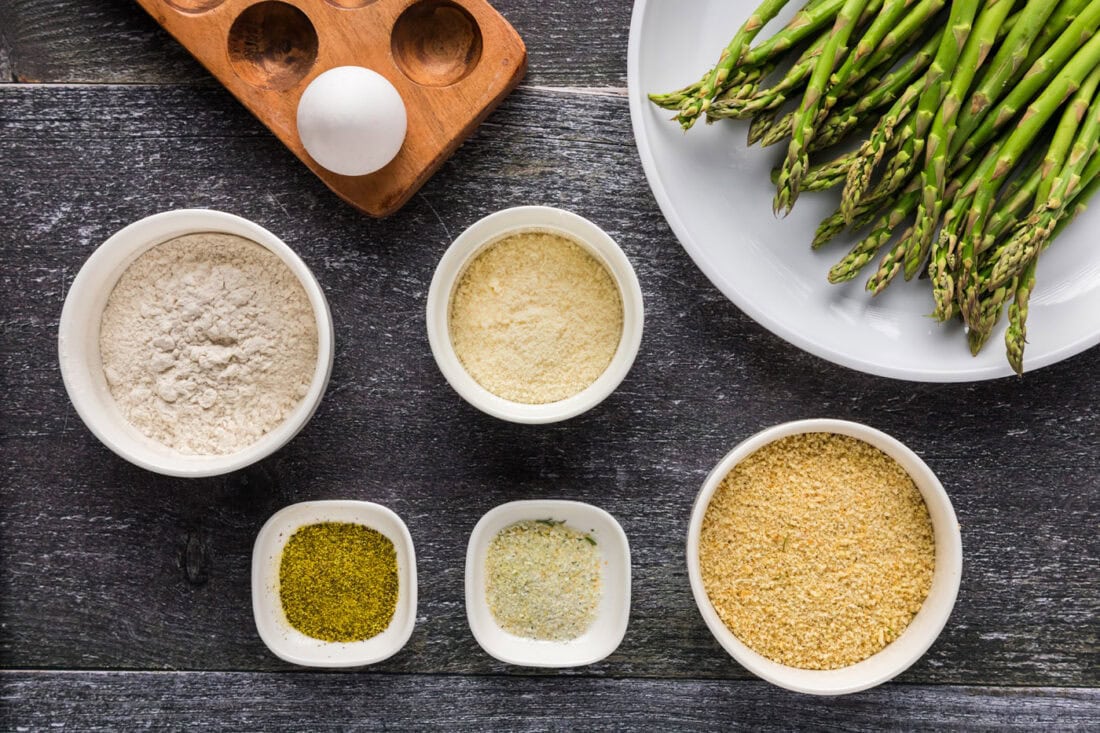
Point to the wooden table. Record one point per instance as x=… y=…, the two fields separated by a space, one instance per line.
x=124 y=596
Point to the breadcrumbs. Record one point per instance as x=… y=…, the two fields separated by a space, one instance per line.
x=535 y=318
x=817 y=550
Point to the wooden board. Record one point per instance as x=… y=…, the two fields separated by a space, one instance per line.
x=139 y=583
x=170 y=558
x=112 y=41
x=452 y=61
x=339 y=702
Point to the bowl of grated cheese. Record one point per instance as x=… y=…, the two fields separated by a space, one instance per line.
x=534 y=315
x=824 y=556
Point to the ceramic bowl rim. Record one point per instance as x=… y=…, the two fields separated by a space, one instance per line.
x=478 y=544
x=85 y=386
x=938 y=605
x=482 y=234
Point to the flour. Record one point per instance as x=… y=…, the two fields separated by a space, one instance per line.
x=208 y=341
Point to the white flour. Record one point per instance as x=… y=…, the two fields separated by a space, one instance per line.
x=208 y=342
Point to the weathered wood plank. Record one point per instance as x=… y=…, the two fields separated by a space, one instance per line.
x=278 y=702
x=115 y=41
x=93 y=569
x=5 y=54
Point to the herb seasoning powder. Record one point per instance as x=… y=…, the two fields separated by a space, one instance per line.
x=338 y=581
x=543 y=580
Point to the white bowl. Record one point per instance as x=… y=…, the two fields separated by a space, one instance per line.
x=293 y=646
x=605 y=633
x=897 y=656
x=82 y=369
x=492 y=229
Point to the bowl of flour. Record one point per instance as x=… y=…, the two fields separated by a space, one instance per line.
x=194 y=343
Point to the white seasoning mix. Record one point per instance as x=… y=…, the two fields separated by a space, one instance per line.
x=535 y=318
x=208 y=341
x=817 y=550
x=543 y=580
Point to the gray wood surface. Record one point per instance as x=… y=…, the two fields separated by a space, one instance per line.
x=113 y=41
x=107 y=567
x=279 y=702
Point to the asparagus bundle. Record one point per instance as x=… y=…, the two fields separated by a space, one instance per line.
x=976 y=125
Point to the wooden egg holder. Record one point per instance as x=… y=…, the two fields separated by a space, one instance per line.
x=452 y=61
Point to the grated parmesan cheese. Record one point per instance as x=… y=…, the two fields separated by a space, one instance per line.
x=536 y=318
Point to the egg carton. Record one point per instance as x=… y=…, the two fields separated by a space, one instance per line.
x=451 y=61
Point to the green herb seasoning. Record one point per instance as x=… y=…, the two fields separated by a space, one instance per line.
x=543 y=580
x=338 y=581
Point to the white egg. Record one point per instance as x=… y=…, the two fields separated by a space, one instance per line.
x=352 y=120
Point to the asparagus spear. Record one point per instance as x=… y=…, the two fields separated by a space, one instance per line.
x=959 y=25
x=775 y=95
x=692 y=107
x=908 y=27
x=895 y=120
x=930 y=208
x=1016 y=333
x=748 y=105
x=806 y=22
x=836 y=222
x=1009 y=59
x=797 y=160
x=1084 y=64
x=856 y=64
x=883 y=93
x=1017 y=200
x=824 y=175
x=866 y=249
x=761 y=126
x=1056 y=190
x=989 y=312
x=1039 y=75
x=1065 y=13
x=874 y=148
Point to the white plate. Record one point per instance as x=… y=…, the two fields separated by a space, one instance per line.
x=716 y=195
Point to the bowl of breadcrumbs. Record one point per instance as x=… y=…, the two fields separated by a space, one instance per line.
x=824 y=556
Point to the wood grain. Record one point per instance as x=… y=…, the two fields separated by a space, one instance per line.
x=6 y=73
x=113 y=41
x=107 y=566
x=321 y=702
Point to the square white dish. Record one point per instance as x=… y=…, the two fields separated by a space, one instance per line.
x=293 y=646
x=613 y=614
